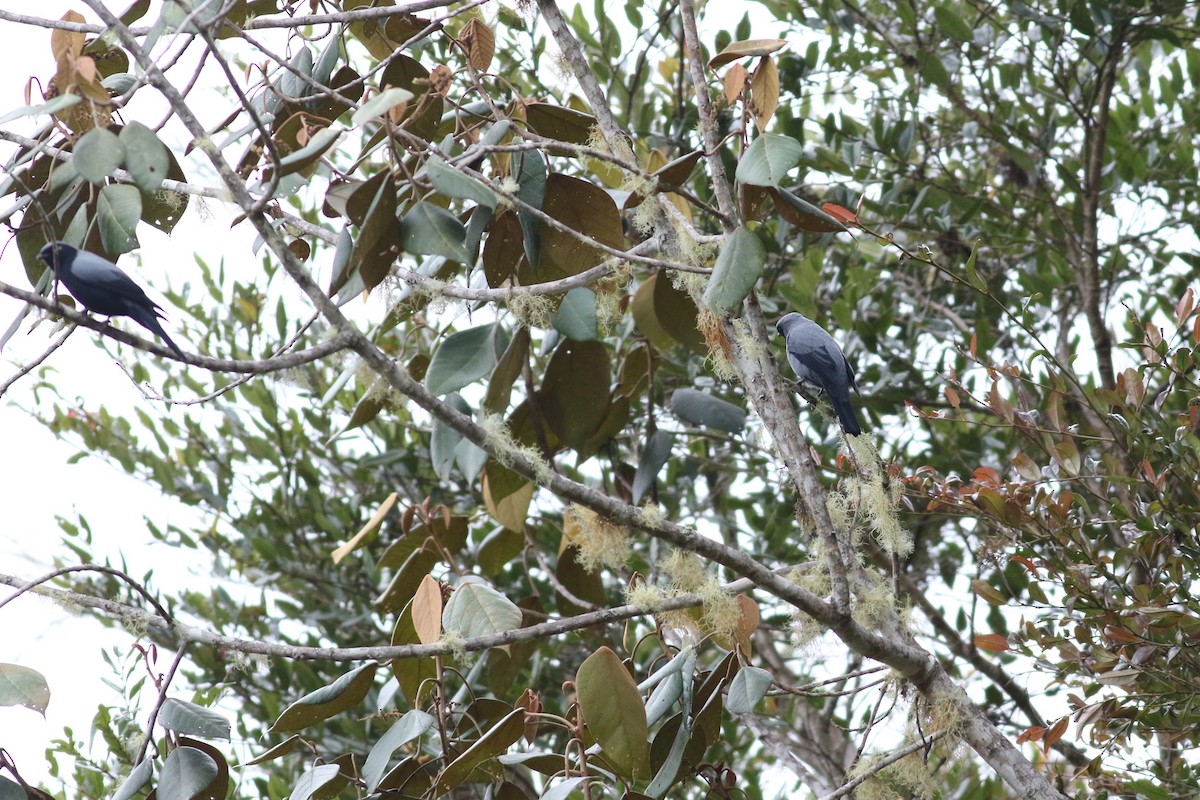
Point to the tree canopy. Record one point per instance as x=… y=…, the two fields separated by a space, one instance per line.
x=504 y=491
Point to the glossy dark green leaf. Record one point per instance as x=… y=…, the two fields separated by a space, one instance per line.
x=98 y=154
x=701 y=408
x=22 y=686
x=412 y=724
x=768 y=159
x=738 y=268
x=341 y=695
x=497 y=740
x=186 y=774
x=559 y=123
x=653 y=457
x=146 y=158
x=575 y=392
x=463 y=358
x=613 y=710
x=529 y=169
x=118 y=210
x=188 y=718
x=576 y=317
x=430 y=230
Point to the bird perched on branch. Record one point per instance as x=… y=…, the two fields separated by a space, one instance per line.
x=103 y=288
x=820 y=363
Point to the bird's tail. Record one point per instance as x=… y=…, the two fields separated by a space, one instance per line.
x=149 y=321
x=846 y=414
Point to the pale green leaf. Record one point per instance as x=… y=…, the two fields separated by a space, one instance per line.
x=737 y=269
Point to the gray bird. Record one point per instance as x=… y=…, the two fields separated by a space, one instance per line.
x=820 y=363
x=103 y=288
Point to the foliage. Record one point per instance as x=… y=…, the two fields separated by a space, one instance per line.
x=560 y=428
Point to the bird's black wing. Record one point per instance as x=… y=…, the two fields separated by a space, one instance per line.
x=820 y=363
x=98 y=277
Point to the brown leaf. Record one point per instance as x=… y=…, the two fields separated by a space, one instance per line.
x=440 y=79
x=1033 y=734
x=764 y=92
x=841 y=213
x=67 y=45
x=993 y=642
x=988 y=592
x=735 y=82
x=480 y=44
x=745 y=49
x=427 y=610
x=1055 y=733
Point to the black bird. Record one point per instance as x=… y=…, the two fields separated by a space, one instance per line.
x=819 y=362
x=103 y=288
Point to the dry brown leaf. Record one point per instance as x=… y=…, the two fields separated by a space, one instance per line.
x=735 y=82
x=764 y=92
x=480 y=44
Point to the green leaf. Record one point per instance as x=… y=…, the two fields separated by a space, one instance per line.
x=476 y=609
x=973 y=276
x=584 y=207
x=530 y=171
x=146 y=157
x=22 y=686
x=803 y=214
x=463 y=358
x=164 y=209
x=430 y=230
x=452 y=183
x=404 y=730
x=138 y=777
x=576 y=317
x=444 y=440
x=559 y=123
x=279 y=750
x=575 y=392
x=379 y=237
x=312 y=781
x=341 y=695
x=745 y=49
x=737 y=269
x=701 y=408
x=118 y=210
x=308 y=155
x=507 y=371
x=745 y=690
x=186 y=774
x=188 y=718
x=953 y=24
x=562 y=790
x=497 y=740
x=768 y=158
x=59 y=103
x=380 y=104
x=613 y=710
x=655 y=454
x=98 y=154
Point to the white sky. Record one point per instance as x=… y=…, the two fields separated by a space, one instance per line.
x=36 y=483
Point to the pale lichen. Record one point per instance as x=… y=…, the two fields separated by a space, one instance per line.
x=499 y=441
x=530 y=310
x=600 y=542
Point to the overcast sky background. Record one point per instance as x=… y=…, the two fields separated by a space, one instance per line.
x=37 y=485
